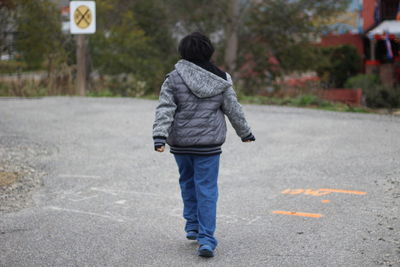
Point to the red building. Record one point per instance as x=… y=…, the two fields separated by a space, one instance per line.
x=376 y=37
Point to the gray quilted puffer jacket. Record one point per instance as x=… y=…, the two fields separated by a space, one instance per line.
x=191 y=109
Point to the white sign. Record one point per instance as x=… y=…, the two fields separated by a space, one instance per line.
x=82 y=16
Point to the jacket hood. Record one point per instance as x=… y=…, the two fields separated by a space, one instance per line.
x=201 y=82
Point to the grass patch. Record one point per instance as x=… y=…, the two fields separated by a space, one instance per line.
x=307 y=101
x=104 y=93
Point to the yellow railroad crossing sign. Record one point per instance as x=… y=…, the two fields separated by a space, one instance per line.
x=82 y=17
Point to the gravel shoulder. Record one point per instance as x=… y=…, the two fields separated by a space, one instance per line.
x=19 y=172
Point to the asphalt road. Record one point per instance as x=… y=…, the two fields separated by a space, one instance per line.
x=317 y=188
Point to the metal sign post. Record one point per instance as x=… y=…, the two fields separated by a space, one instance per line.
x=83 y=21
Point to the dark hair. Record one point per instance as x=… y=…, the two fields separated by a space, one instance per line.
x=196 y=47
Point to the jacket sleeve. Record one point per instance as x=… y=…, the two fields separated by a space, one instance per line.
x=234 y=111
x=165 y=112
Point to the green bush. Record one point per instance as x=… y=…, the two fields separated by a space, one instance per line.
x=383 y=97
x=375 y=94
x=338 y=64
x=363 y=81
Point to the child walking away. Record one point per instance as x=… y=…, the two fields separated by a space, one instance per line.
x=190 y=118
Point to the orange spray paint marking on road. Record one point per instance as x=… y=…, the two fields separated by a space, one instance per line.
x=294 y=213
x=293 y=191
x=317 y=193
x=311 y=192
x=314 y=192
x=320 y=192
x=343 y=191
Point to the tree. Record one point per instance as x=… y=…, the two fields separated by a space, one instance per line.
x=286 y=31
x=126 y=42
x=259 y=35
x=39 y=38
x=153 y=18
x=221 y=19
x=7 y=25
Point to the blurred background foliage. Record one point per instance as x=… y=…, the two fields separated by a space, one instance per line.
x=337 y=64
x=135 y=45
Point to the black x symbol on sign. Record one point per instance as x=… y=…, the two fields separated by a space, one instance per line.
x=83 y=17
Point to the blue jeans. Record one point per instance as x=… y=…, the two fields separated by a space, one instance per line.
x=198 y=182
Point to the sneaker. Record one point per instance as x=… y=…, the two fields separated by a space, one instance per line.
x=206 y=251
x=191 y=235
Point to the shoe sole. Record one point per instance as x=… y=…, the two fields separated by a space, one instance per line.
x=206 y=253
x=191 y=237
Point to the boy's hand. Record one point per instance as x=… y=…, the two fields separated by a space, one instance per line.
x=161 y=149
x=159 y=143
x=249 y=138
